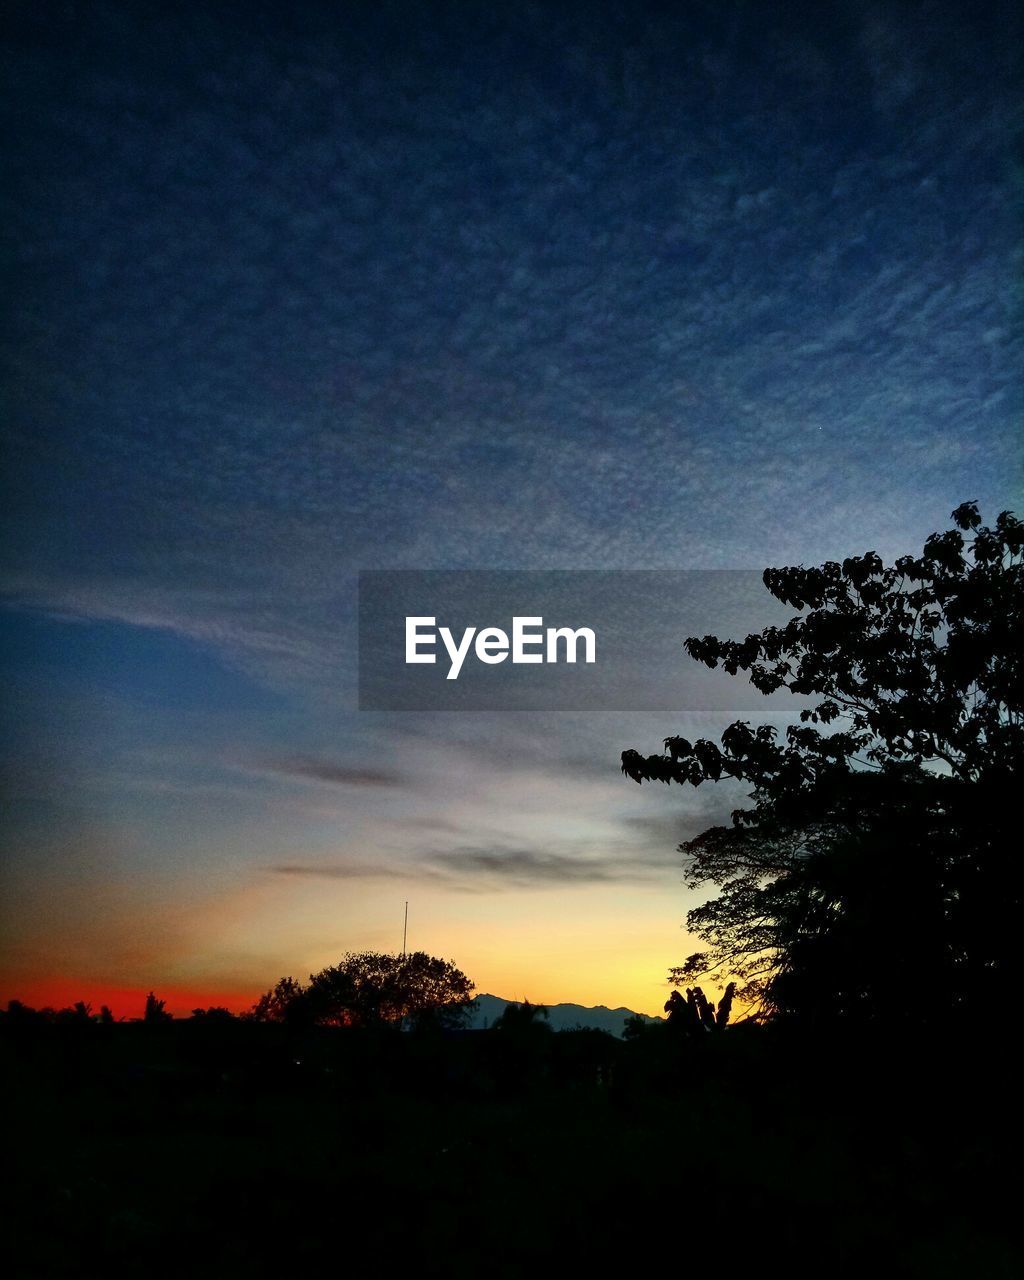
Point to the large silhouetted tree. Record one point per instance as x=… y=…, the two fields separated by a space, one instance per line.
x=373 y=989
x=876 y=871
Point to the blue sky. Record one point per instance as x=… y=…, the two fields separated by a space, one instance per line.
x=297 y=293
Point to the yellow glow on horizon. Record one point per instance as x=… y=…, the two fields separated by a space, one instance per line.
x=590 y=944
x=599 y=944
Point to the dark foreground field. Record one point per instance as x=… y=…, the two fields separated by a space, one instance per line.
x=198 y=1150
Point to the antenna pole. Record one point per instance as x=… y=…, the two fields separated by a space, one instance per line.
x=405 y=929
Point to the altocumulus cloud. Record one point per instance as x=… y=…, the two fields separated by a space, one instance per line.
x=624 y=263
x=435 y=286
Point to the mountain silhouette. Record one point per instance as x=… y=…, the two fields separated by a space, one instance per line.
x=486 y=1009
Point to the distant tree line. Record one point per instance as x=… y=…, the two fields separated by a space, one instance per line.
x=366 y=989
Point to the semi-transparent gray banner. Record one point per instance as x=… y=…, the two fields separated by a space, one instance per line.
x=554 y=640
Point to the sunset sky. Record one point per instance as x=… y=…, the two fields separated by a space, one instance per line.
x=295 y=291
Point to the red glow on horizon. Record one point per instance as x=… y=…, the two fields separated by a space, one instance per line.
x=123 y=1002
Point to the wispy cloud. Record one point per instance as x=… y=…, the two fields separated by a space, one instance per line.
x=477 y=867
x=526 y=868
x=340 y=871
x=336 y=774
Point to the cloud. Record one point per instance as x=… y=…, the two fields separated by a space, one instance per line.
x=672 y=829
x=311 y=769
x=531 y=868
x=661 y=316
x=412 y=292
x=474 y=868
x=340 y=871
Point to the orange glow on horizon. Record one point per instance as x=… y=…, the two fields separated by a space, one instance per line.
x=129 y=1002
x=124 y=1002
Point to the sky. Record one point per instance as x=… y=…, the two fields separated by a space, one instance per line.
x=299 y=291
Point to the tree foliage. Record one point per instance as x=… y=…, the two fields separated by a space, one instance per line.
x=372 y=989
x=285 y=1002
x=882 y=835
x=524 y=1019
x=155 y=1012
x=697 y=1015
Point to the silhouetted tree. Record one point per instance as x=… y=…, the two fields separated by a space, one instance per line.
x=887 y=844
x=522 y=1019
x=155 y=1012
x=22 y=1017
x=373 y=989
x=79 y=1014
x=215 y=1013
x=635 y=1026
x=697 y=1014
x=286 y=1002
x=370 y=988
